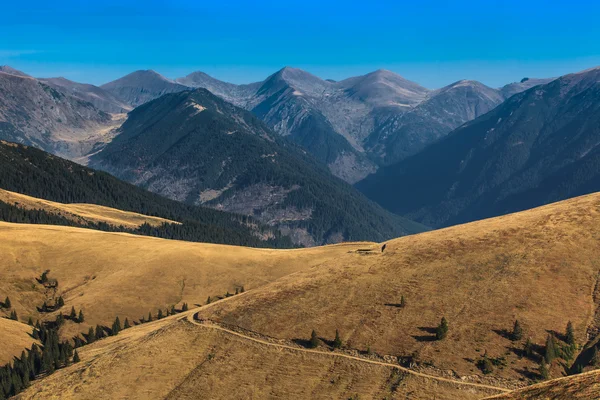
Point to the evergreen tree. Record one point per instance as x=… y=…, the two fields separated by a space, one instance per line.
x=337 y=342
x=551 y=351
x=7 y=303
x=314 y=340
x=30 y=321
x=237 y=291
x=99 y=332
x=208 y=300
x=80 y=318
x=173 y=312
x=517 y=332
x=160 y=314
x=528 y=348
x=402 y=301
x=126 y=324
x=184 y=307
x=73 y=314
x=486 y=365
x=91 y=336
x=13 y=315
x=544 y=372
x=570 y=334
x=242 y=290
x=60 y=302
x=76 y=357
x=150 y=316
x=442 y=329
x=116 y=326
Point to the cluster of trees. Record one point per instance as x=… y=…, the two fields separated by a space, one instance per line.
x=53 y=355
x=35 y=173
x=315 y=341
x=6 y=304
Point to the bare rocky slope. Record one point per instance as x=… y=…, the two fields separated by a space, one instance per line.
x=98 y=97
x=35 y=113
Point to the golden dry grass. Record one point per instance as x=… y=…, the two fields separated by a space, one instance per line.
x=15 y=337
x=82 y=213
x=584 y=386
x=110 y=274
x=538 y=266
x=174 y=359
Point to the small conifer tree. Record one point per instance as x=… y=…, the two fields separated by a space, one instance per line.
x=60 y=302
x=76 y=357
x=551 y=351
x=528 y=348
x=314 y=340
x=486 y=365
x=544 y=372
x=402 y=301
x=80 y=318
x=30 y=321
x=442 y=329
x=13 y=315
x=337 y=342
x=7 y=303
x=91 y=336
x=73 y=314
x=208 y=300
x=184 y=307
x=570 y=334
x=149 y=316
x=126 y=324
x=160 y=314
x=517 y=332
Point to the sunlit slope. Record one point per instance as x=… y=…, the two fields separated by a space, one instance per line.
x=176 y=359
x=110 y=274
x=584 y=386
x=82 y=213
x=16 y=336
x=539 y=266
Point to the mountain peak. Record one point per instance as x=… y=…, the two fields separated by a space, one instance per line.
x=7 y=69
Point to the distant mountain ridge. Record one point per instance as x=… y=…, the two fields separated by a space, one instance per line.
x=140 y=87
x=537 y=147
x=98 y=97
x=194 y=147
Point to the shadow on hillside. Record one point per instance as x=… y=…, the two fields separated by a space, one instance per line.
x=426 y=338
x=302 y=342
x=558 y=335
x=531 y=375
x=397 y=305
x=503 y=333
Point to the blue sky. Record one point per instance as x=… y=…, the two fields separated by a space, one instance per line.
x=432 y=42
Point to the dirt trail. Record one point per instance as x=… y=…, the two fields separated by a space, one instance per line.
x=190 y=316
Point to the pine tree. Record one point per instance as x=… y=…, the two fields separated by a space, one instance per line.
x=91 y=336
x=528 y=348
x=60 y=302
x=208 y=300
x=149 y=316
x=570 y=334
x=99 y=332
x=237 y=291
x=486 y=365
x=13 y=315
x=160 y=314
x=76 y=357
x=551 y=352
x=116 y=326
x=242 y=290
x=173 y=312
x=314 y=340
x=442 y=330
x=80 y=318
x=517 y=332
x=544 y=373
x=7 y=303
x=402 y=301
x=73 y=314
x=184 y=307
x=126 y=324
x=337 y=342
x=30 y=321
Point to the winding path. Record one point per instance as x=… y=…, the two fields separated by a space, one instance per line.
x=191 y=317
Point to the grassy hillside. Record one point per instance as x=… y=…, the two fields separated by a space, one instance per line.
x=540 y=267
x=579 y=387
x=175 y=359
x=35 y=173
x=16 y=336
x=109 y=274
x=82 y=213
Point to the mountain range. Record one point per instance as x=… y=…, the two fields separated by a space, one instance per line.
x=354 y=126
x=194 y=147
x=537 y=147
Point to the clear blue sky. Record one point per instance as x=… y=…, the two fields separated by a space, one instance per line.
x=432 y=42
